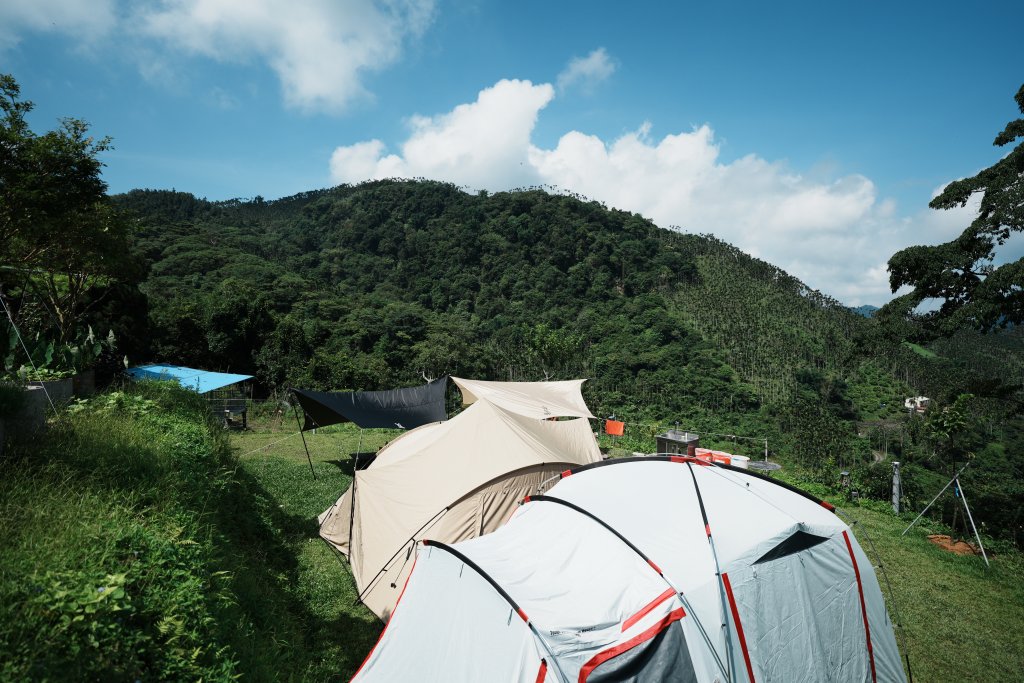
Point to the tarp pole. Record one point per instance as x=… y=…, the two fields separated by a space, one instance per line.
x=960 y=490
x=352 y=509
x=955 y=476
x=304 y=441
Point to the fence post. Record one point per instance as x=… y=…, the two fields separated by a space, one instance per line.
x=897 y=489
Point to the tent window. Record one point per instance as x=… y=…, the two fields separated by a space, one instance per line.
x=801 y=540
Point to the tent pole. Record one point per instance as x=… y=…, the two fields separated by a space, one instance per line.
x=730 y=656
x=352 y=508
x=359 y=598
x=955 y=476
x=970 y=517
x=302 y=434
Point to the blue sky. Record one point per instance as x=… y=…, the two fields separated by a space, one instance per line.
x=809 y=134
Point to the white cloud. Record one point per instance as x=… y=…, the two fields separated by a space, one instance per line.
x=485 y=143
x=85 y=21
x=835 y=235
x=586 y=71
x=320 y=49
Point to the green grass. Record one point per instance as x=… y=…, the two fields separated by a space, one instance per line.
x=920 y=350
x=961 y=621
x=341 y=629
x=138 y=547
x=205 y=543
x=113 y=565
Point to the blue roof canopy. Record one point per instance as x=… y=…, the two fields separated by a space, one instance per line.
x=201 y=381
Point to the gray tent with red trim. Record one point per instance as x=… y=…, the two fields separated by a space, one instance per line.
x=646 y=569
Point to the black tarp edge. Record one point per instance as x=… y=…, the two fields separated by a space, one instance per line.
x=404 y=408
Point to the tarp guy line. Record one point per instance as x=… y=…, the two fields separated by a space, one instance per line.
x=29 y=355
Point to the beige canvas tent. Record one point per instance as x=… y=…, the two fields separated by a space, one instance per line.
x=532 y=399
x=447 y=481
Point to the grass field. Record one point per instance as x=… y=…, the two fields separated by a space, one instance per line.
x=961 y=621
x=340 y=628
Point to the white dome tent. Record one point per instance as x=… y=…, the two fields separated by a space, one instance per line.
x=646 y=569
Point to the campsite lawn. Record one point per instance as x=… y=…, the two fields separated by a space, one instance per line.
x=961 y=621
x=340 y=628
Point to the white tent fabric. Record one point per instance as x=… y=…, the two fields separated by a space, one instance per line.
x=612 y=574
x=451 y=480
x=532 y=399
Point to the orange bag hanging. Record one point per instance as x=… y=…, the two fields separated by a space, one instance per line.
x=614 y=427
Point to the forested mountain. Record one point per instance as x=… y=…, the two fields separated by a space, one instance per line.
x=382 y=284
x=866 y=310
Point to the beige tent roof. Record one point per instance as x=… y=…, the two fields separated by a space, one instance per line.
x=447 y=481
x=532 y=399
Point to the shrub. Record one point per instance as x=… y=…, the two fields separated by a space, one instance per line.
x=109 y=568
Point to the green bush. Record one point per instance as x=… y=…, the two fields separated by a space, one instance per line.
x=133 y=550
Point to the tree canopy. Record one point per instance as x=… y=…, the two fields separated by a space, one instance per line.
x=63 y=239
x=974 y=292
x=378 y=285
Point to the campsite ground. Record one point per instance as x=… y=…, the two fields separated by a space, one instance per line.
x=275 y=457
x=961 y=621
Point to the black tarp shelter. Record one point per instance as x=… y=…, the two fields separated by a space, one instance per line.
x=405 y=408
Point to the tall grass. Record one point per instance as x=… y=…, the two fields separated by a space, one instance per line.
x=136 y=549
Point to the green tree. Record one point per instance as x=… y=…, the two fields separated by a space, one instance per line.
x=61 y=236
x=974 y=292
x=946 y=427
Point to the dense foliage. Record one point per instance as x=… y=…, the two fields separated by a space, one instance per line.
x=961 y=273
x=385 y=283
x=64 y=244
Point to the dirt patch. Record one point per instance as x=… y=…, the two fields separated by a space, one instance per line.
x=959 y=547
